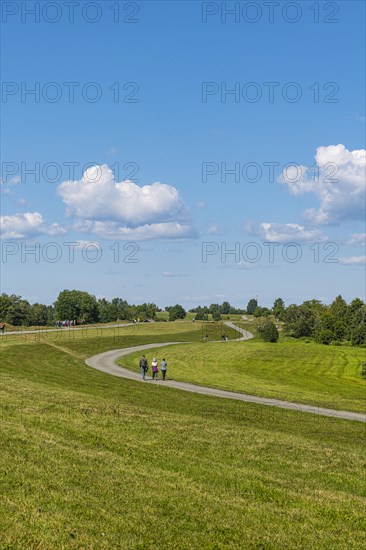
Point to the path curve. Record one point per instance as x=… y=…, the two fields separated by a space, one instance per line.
x=106 y=362
x=245 y=334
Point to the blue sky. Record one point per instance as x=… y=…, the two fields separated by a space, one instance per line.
x=240 y=135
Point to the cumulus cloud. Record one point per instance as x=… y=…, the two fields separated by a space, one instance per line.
x=123 y=209
x=353 y=260
x=29 y=224
x=276 y=232
x=338 y=180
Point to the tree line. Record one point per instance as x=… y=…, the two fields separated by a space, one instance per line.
x=327 y=324
x=336 y=323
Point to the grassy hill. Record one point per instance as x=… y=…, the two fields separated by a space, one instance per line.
x=326 y=376
x=92 y=461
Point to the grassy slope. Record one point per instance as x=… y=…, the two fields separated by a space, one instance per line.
x=90 y=341
x=91 y=461
x=327 y=376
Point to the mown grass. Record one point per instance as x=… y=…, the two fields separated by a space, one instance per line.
x=90 y=341
x=93 y=461
x=326 y=376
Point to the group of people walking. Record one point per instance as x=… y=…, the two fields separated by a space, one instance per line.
x=144 y=366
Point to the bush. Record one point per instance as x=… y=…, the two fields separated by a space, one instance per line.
x=325 y=336
x=363 y=369
x=267 y=331
x=200 y=316
x=177 y=312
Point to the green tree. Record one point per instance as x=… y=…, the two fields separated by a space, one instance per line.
x=5 y=303
x=339 y=307
x=77 y=304
x=107 y=311
x=216 y=316
x=201 y=314
x=267 y=331
x=122 y=309
x=146 y=311
x=278 y=307
x=225 y=308
x=353 y=307
x=299 y=320
x=252 y=304
x=19 y=313
x=358 y=327
x=262 y=312
x=39 y=315
x=177 y=312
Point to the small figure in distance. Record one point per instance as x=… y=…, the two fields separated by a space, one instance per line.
x=206 y=338
x=2 y=328
x=154 y=369
x=163 y=368
x=143 y=366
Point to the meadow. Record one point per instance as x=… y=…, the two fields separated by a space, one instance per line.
x=325 y=376
x=92 y=461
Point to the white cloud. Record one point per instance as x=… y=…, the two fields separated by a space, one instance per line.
x=357 y=239
x=19 y=226
x=276 y=232
x=22 y=202
x=353 y=260
x=113 y=230
x=15 y=180
x=97 y=196
x=339 y=184
x=213 y=229
x=124 y=210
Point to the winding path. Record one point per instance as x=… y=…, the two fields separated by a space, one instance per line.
x=106 y=362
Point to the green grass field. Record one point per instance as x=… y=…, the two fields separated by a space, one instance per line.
x=92 y=461
x=326 y=376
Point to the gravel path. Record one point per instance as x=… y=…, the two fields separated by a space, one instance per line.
x=106 y=362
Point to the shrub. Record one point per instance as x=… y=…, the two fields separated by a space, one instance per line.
x=200 y=316
x=325 y=336
x=267 y=331
x=363 y=369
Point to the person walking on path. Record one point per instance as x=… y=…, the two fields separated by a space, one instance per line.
x=163 y=368
x=143 y=366
x=2 y=328
x=154 y=369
